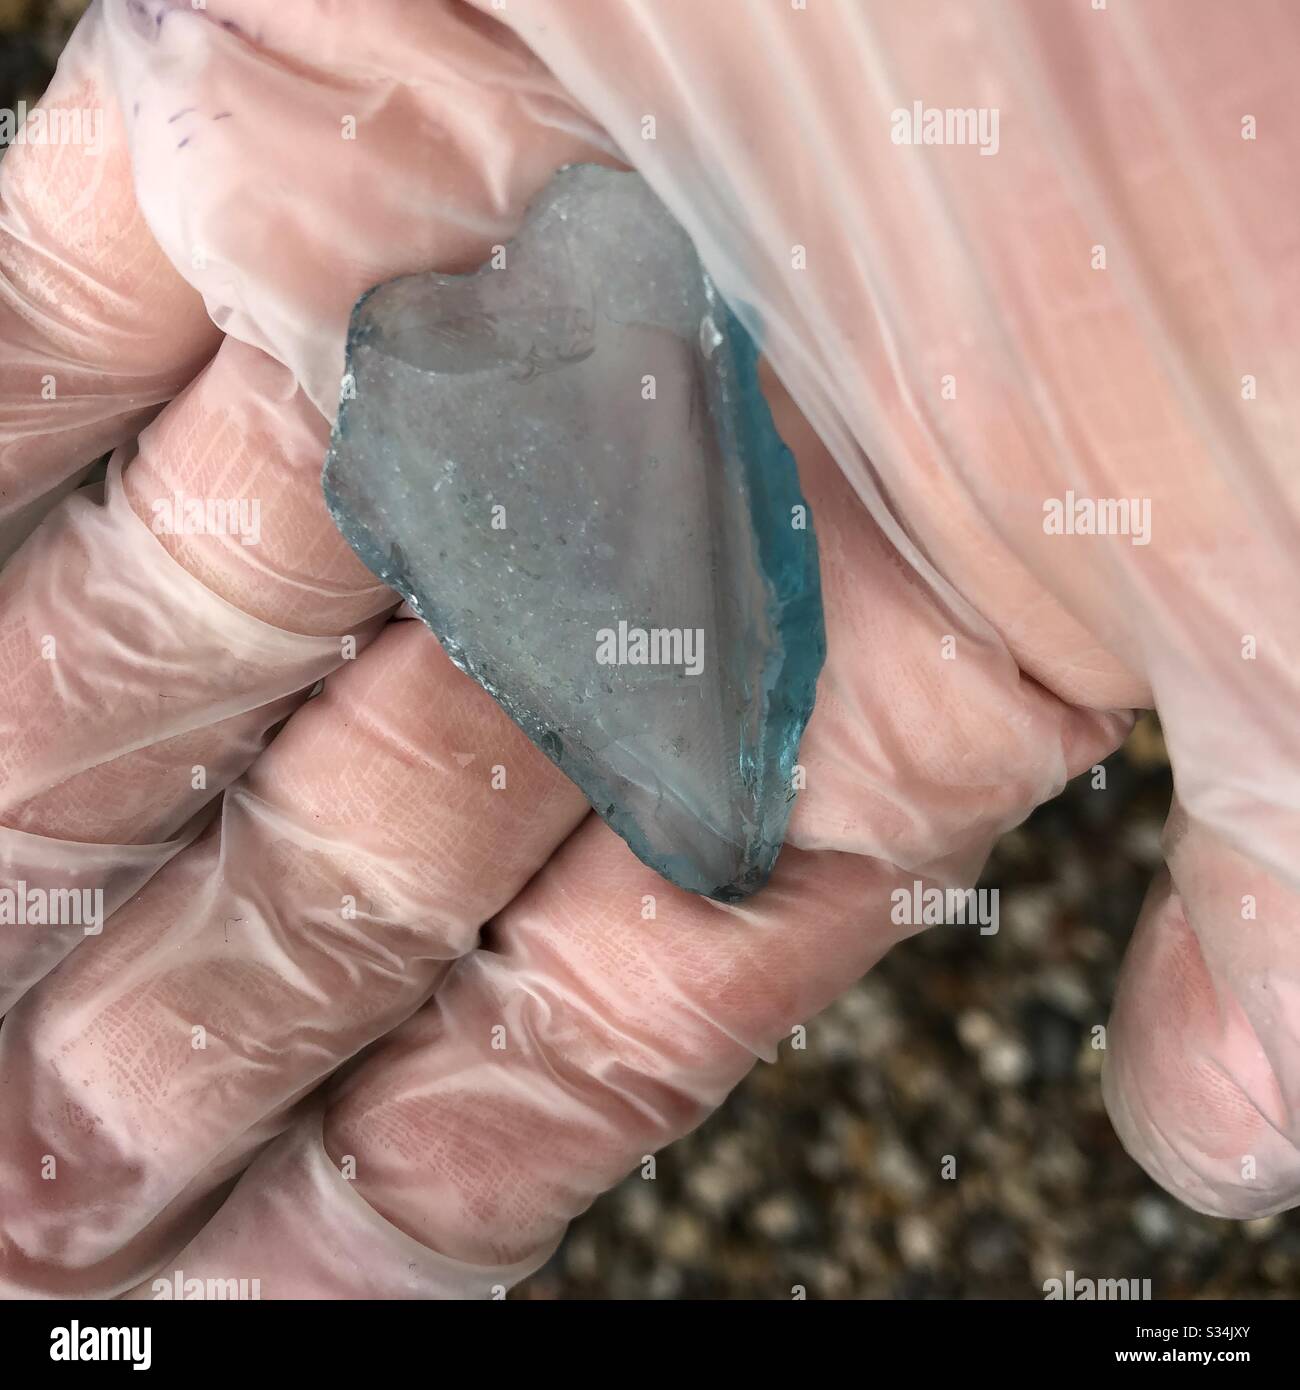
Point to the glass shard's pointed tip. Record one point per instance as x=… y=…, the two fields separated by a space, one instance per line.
x=565 y=463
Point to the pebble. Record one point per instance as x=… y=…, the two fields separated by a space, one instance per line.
x=1006 y=1062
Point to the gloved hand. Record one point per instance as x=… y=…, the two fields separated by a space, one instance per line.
x=1102 y=307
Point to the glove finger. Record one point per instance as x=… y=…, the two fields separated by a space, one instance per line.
x=1202 y=1067
x=395 y=813
x=96 y=327
x=146 y=666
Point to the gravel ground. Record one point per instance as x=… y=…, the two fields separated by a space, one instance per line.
x=823 y=1170
x=32 y=34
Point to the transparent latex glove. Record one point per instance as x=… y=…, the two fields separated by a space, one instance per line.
x=946 y=359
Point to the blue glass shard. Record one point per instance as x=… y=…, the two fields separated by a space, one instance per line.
x=565 y=464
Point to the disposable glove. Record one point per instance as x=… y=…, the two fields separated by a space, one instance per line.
x=1098 y=301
